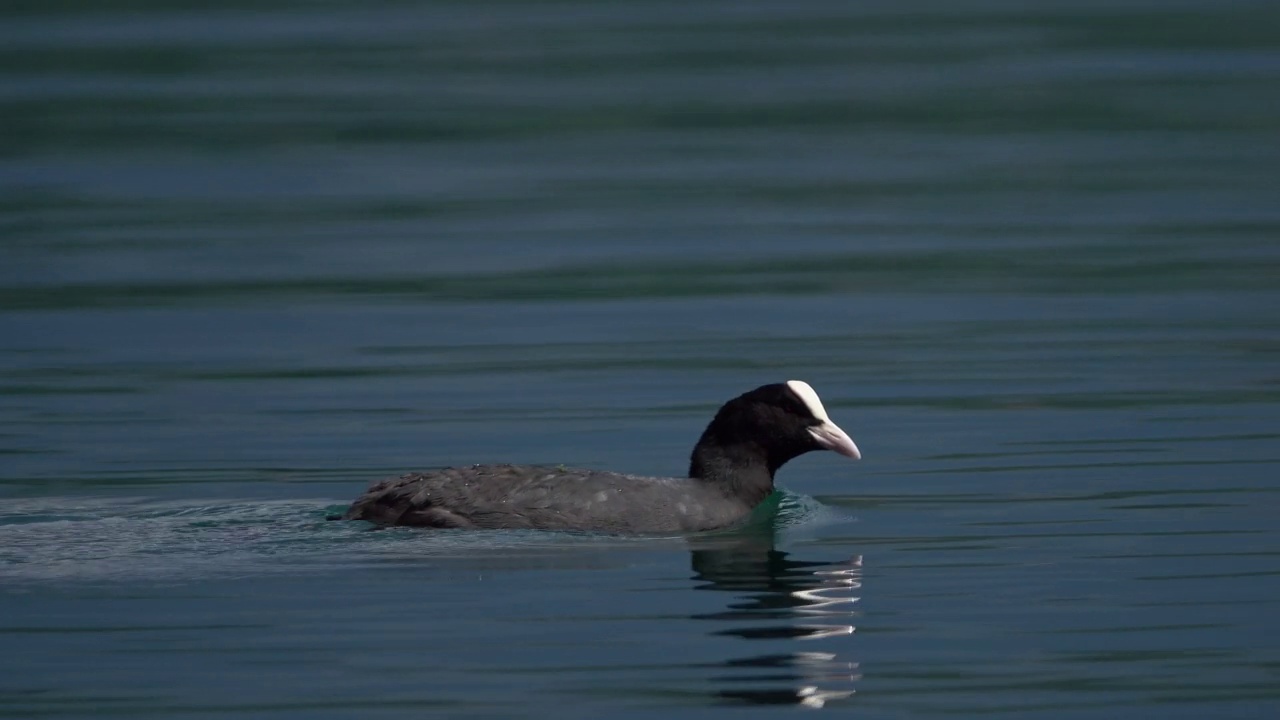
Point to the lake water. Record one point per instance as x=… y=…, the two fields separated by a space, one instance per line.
x=255 y=257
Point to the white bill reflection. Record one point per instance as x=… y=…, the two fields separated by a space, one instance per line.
x=778 y=600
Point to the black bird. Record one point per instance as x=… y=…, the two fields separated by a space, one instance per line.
x=730 y=473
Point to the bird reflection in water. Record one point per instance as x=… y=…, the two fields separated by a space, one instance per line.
x=780 y=599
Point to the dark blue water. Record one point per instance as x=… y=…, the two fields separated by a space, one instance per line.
x=256 y=256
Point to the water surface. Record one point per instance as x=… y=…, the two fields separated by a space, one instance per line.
x=257 y=256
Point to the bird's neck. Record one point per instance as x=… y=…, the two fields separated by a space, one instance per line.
x=740 y=471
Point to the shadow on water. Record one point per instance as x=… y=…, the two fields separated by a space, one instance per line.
x=778 y=598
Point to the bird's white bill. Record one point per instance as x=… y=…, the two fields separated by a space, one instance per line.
x=832 y=438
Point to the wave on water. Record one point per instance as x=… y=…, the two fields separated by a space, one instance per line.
x=797 y=511
x=110 y=539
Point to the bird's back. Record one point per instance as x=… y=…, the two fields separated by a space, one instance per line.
x=547 y=498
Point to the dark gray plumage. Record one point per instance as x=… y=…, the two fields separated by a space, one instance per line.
x=731 y=471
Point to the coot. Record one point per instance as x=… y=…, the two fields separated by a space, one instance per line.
x=730 y=473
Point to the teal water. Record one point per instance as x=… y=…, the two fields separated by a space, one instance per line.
x=254 y=257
